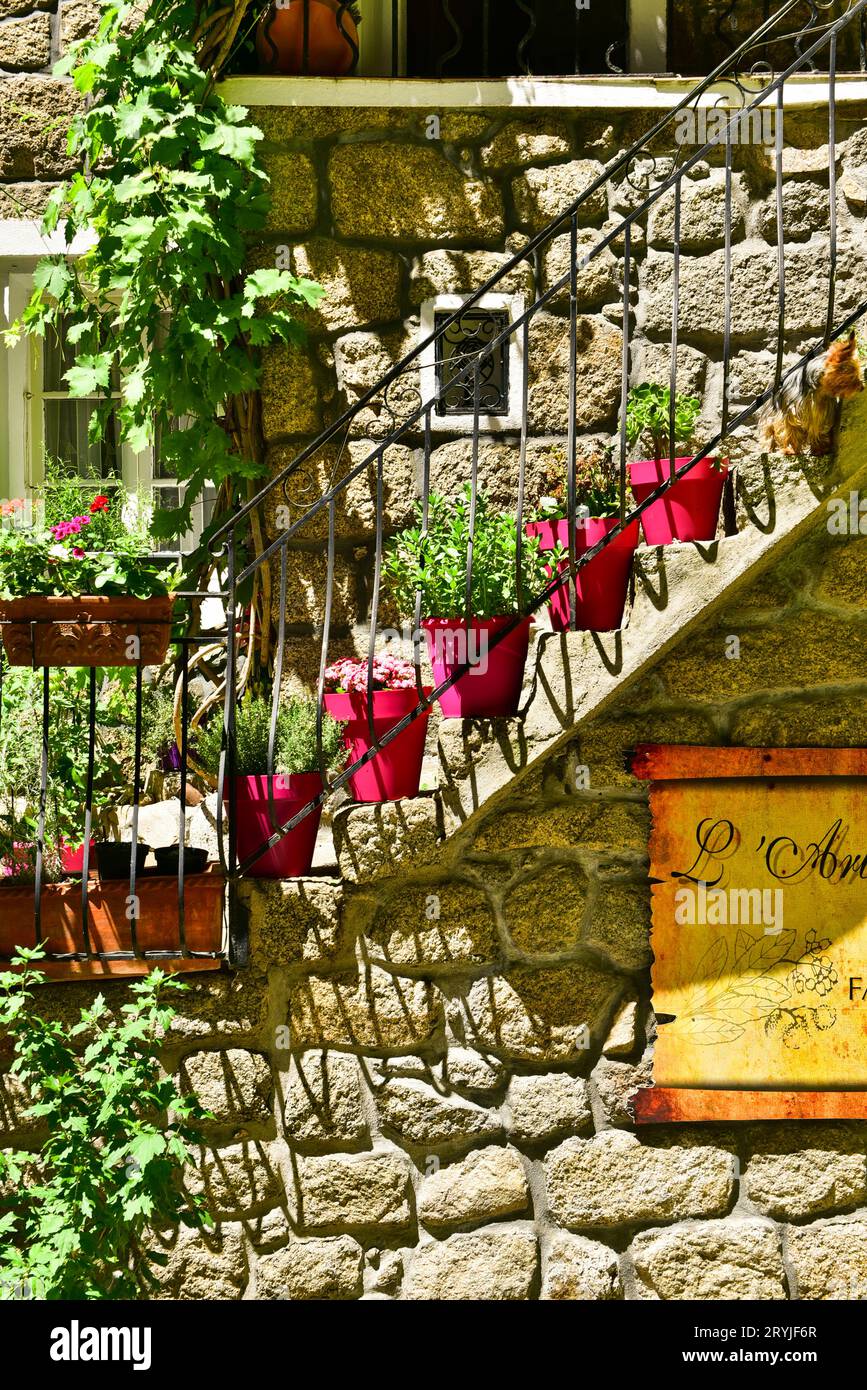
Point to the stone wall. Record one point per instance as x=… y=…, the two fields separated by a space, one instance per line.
x=35 y=107
x=386 y=218
x=421 y=1085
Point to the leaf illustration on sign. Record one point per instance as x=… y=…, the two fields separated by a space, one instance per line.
x=720 y=1010
x=709 y=970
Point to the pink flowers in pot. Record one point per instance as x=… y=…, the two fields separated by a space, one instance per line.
x=395 y=769
x=64 y=529
x=350 y=675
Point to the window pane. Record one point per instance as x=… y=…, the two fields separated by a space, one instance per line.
x=65 y=426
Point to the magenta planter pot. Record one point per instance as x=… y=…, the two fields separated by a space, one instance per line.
x=492 y=689
x=602 y=584
x=395 y=772
x=72 y=860
x=690 y=509
x=293 y=855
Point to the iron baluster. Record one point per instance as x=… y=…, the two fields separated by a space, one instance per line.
x=459 y=39
x=132 y=902
x=675 y=316
x=43 y=801
x=374 y=606
x=326 y=635
x=88 y=810
x=522 y=458
x=529 y=9
x=182 y=799
x=425 y=516
x=342 y=7
x=571 y=428
x=832 y=185
x=624 y=366
x=781 y=244
x=278 y=681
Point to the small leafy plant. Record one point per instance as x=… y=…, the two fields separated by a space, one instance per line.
x=435 y=563
x=295 y=749
x=597 y=487
x=648 y=416
x=75 y=1216
x=350 y=674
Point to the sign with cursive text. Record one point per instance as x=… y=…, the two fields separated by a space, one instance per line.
x=759 y=873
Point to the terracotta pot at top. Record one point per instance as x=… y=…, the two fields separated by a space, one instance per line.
x=492 y=687
x=395 y=771
x=602 y=583
x=89 y=631
x=280 y=39
x=689 y=511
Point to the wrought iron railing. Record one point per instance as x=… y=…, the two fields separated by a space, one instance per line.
x=410 y=419
x=510 y=38
x=455 y=38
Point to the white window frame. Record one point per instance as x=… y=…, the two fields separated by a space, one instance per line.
x=21 y=391
x=508 y=423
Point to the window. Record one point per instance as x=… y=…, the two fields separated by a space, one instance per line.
x=471 y=335
x=463 y=340
x=41 y=419
x=507 y=38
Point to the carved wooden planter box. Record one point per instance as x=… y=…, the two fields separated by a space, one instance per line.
x=87 y=631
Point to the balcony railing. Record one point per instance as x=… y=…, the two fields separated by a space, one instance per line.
x=454 y=39
x=410 y=414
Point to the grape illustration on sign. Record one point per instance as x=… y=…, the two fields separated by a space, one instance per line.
x=759 y=873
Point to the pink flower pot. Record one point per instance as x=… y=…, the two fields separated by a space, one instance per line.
x=72 y=860
x=395 y=772
x=602 y=584
x=293 y=855
x=492 y=688
x=690 y=509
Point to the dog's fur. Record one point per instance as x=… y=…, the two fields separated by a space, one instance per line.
x=802 y=415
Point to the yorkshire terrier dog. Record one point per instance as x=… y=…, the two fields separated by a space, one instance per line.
x=802 y=415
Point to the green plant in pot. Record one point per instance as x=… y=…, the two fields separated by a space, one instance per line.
x=689 y=509
x=601 y=583
x=80 y=1207
x=432 y=562
x=296 y=780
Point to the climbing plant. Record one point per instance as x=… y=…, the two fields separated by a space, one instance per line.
x=168 y=194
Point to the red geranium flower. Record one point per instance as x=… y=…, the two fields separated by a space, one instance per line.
x=99 y=504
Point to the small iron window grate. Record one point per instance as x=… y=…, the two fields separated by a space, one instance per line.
x=468 y=338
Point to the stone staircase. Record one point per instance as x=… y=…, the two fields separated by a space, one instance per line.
x=573 y=677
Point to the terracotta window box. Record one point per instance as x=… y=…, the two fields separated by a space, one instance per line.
x=49 y=630
x=109 y=930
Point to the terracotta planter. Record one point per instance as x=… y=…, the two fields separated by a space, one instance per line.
x=689 y=511
x=109 y=929
x=292 y=856
x=280 y=39
x=602 y=584
x=87 y=631
x=492 y=687
x=395 y=772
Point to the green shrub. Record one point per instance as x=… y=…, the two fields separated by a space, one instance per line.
x=295 y=749
x=77 y=1213
x=648 y=411
x=436 y=563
